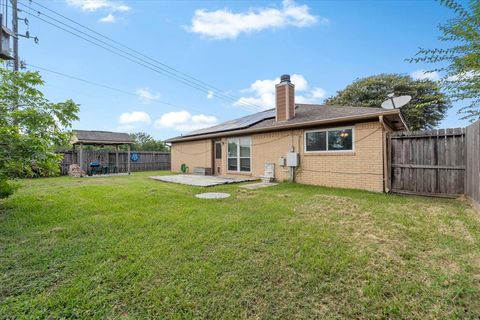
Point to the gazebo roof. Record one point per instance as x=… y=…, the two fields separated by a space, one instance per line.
x=100 y=137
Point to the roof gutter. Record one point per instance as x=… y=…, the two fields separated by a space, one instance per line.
x=285 y=126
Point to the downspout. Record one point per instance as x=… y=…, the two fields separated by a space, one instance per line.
x=386 y=173
x=292 y=169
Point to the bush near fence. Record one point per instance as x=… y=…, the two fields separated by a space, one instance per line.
x=149 y=160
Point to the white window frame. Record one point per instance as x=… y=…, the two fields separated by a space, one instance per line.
x=326 y=131
x=238 y=154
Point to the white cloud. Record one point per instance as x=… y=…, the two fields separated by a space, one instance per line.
x=318 y=93
x=301 y=84
x=184 y=121
x=94 y=5
x=224 y=24
x=425 y=75
x=146 y=96
x=263 y=92
x=313 y=96
x=129 y=118
x=464 y=76
x=109 y=18
x=171 y=119
x=210 y=94
x=263 y=86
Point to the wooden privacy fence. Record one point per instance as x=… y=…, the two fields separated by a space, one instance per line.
x=442 y=162
x=148 y=160
x=472 y=181
x=428 y=162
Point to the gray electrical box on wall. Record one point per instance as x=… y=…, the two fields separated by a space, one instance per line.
x=292 y=159
x=5 y=35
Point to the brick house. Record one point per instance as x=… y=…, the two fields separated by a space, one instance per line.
x=336 y=146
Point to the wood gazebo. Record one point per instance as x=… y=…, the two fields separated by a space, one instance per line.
x=101 y=138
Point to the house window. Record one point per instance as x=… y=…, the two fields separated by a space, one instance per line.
x=218 y=150
x=335 y=139
x=239 y=154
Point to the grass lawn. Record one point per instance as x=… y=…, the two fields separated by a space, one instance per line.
x=131 y=247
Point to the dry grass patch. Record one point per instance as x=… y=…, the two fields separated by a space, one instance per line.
x=245 y=194
x=324 y=205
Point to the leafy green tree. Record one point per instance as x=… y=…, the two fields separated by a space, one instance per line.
x=145 y=142
x=461 y=60
x=426 y=109
x=30 y=127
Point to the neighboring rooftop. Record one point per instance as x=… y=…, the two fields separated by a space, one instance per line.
x=100 y=137
x=305 y=114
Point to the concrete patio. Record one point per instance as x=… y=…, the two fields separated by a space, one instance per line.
x=200 y=181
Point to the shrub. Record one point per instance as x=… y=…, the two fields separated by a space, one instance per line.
x=7 y=188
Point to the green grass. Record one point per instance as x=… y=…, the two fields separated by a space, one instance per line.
x=131 y=247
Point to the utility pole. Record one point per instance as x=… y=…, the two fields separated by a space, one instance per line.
x=16 y=62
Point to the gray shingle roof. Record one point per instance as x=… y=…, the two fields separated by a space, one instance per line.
x=304 y=114
x=101 y=137
x=312 y=112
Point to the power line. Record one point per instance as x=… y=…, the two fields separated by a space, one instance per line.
x=80 y=79
x=126 y=55
x=134 y=50
x=98 y=84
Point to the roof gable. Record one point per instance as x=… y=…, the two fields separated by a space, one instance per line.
x=101 y=137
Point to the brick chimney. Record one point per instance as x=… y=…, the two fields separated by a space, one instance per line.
x=285 y=99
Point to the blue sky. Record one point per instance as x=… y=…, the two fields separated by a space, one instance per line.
x=240 y=47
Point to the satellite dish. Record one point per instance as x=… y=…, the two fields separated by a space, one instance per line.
x=395 y=102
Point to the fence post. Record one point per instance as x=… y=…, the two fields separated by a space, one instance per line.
x=128 y=159
x=472 y=154
x=116 y=159
x=81 y=158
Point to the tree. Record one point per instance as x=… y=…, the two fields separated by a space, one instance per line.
x=145 y=142
x=426 y=109
x=30 y=127
x=461 y=61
